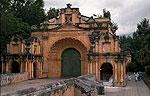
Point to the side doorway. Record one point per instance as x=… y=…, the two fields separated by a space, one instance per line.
x=15 y=67
x=106 y=71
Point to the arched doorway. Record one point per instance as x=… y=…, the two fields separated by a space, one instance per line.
x=15 y=67
x=70 y=64
x=106 y=71
x=34 y=70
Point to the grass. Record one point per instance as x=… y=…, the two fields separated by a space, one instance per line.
x=146 y=79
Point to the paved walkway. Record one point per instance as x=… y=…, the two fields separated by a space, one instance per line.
x=132 y=89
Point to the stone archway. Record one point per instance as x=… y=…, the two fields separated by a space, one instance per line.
x=56 y=52
x=15 y=67
x=106 y=71
x=70 y=63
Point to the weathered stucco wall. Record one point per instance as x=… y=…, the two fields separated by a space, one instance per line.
x=13 y=78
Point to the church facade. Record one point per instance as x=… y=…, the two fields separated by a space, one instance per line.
x=72 y=44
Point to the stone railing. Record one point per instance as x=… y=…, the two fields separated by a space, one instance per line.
x=6 y=79
x=81 y=86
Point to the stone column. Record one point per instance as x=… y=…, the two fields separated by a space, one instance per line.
x=94 y=66
x=29 y=70
x=26 y=66
x=7 y=67
x=2 y=67
x=21 y=66
x=91 y=67
x=96 y=69
x=40 y=69
x=116 y=73
x=88 y=68
x=32 y=69
x=121 y=72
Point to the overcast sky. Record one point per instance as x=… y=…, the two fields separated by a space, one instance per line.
x=126 y=13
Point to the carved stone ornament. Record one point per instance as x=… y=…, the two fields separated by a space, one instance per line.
x=106 y=37
x=85 y=19
x=69 y=5
x=68 y=19
x=52 y=20
x=33 y=27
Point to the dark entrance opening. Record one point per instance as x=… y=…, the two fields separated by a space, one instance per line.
x=106 y=71
x=70 y=64
x=0 y=67
x=15 y=67
x=34 y=70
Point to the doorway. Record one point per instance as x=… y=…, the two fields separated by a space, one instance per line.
x=70 y=64
x=106 y=71
x=15 y=67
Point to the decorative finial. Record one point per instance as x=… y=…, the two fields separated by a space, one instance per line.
x=69 y=5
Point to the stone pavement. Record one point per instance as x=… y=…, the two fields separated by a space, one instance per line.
x=132 y=89
x=26 y=84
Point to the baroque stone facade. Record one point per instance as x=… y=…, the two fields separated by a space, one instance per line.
x=93 y=38
x=22 y=56
x=70 y=45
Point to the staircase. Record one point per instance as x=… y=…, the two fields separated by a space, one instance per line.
x=108 y=83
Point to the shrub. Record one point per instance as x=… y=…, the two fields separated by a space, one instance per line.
x=131 y=67
x=147 y=70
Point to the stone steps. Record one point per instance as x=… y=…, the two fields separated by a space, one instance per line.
x=108 y=84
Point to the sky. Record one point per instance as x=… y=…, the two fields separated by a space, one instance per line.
x=126 y=13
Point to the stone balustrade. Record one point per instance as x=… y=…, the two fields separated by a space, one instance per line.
x=13 y=78
x=81 y=86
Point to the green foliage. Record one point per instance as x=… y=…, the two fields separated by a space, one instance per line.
x=106 y=14
x=131 y=67
x=52 y=12
x=138 y=44
x=10 y=25
x=31 y=11
x=114 y=26
x=147 y=70
x=17 y=16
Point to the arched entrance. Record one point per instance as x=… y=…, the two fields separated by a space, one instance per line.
x=15 y=67
x=34 y=70
x=70 y=64
x=106 y=71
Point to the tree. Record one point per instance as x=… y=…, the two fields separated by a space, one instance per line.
x=10 y=25
x=52 y=12
x=106 y=14
x=138 y=44
x=31 y=11
x=114 y=26
x=144 y=35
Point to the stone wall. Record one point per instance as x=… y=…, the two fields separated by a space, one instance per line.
x=13 y=78
x=81 y=86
